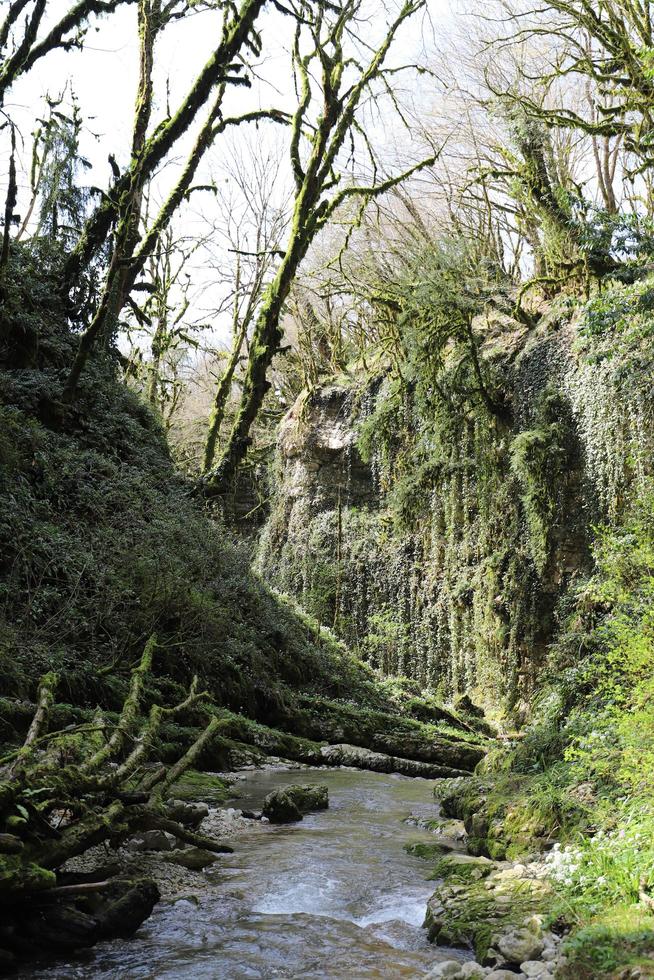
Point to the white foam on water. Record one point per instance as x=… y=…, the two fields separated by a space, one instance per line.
x=314 y=895
x=401 y=907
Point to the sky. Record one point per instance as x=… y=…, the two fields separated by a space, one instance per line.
x=103 y=77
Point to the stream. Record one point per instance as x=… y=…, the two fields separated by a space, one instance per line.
x=335 y=896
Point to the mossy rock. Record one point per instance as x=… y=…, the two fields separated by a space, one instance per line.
x=192 y=858
x=204 y=786
x=289 y=804
x=20 y=877
x=427 y=850
x=499 y=823
x=469 y=914
x=463 y=867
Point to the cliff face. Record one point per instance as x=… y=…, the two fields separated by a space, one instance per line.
x=318 y=447
x=439 y=539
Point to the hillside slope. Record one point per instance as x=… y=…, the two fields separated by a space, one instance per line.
x=102 y=545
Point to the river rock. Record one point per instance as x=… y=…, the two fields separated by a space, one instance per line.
x=193 y=858
x=464 y=867
x=457 y=970
x=188 y=814
x=482 y=915
x=289 y=804
x=429 y=851
x=473 y=971
x=451 y=970
x=152 y=840
x=535 y=968
x=505 y=975
x=519 y=945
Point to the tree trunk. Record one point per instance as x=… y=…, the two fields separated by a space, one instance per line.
x=225 y=383
x=266 y=342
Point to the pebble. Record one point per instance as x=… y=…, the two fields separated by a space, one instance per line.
x=535 y=968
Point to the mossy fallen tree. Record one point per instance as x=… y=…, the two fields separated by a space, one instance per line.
x=64 y=792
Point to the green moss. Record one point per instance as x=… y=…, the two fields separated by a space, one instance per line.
x=426 y=850
x=98 y=517
x=204 y=786
x=540 y=459
x=441 y=581
x=18 y=875
x=468 y=914
x=462 y=867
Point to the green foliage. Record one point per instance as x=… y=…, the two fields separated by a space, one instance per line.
x=611 y=396
x=610 y=868
x=204 y=786
x=585 y=762
x=100 y=544
x=385 y=635
x=626 y=310
x=622 y=936
x=539 y=458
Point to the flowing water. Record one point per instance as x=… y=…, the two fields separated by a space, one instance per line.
x=335 y=896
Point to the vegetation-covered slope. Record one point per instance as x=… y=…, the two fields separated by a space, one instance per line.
x=512 y=556
x=134 y=634
x=103 y=545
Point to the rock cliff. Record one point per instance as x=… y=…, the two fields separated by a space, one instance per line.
x=440 y=539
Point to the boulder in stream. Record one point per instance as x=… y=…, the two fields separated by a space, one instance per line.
x=290 y=803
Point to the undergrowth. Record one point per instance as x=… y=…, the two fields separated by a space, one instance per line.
x=585 y=764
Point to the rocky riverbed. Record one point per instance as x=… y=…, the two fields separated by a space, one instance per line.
x=493 y=908
x=177 y=869
x=341 y=893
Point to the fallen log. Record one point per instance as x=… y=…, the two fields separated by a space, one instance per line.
x=50 y=813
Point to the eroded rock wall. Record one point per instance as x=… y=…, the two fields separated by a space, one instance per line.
x=440 y=544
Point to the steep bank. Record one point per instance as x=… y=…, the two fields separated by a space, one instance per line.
x=102 y=545
x=506 y=549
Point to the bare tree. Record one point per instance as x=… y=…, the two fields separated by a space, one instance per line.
x=131 y=246
x=162 y=318
x=606 y=44
x=22 y=43
x=333 y=83
x=253 y=219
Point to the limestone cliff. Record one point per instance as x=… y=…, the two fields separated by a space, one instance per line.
x=439 y=539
